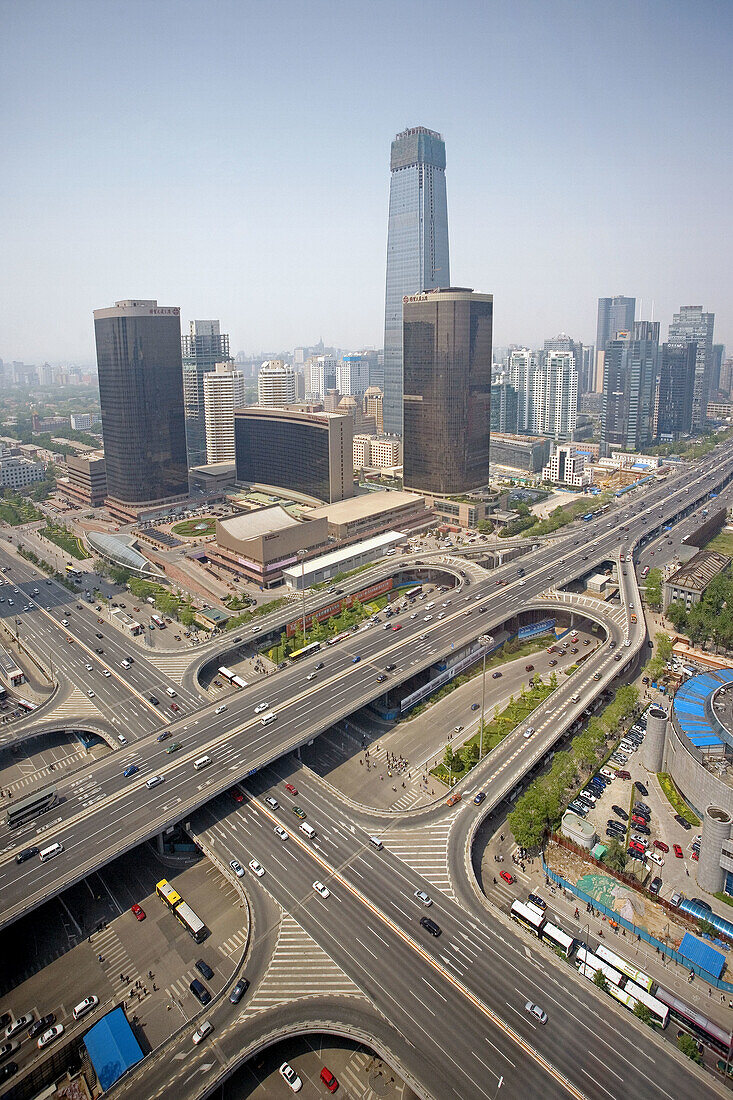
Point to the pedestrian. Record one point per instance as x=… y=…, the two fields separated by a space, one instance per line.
x=100 y=958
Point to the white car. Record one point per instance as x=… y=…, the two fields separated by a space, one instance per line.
x=90 y=693
x=423 y=898
x=311 y=676
x=260 y=707
x=106 y=672
x=256 y=868
x=237 y=867
x=50 y=1035
x=220 y=710
x=85 y=1006
x=89 y=668
x=279 y=831
x=201 y=1032
x=655 y=858
x=321 y=889
x=64 y=622
x=290 y=1077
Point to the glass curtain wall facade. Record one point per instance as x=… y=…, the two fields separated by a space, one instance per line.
x=629 y=384
x=675 y=391
x=141 y=395
x=201 y=350
x=417 y=246
x=692 y=324
x=447 y=400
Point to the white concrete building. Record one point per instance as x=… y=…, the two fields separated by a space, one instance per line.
x=81 y=421
x=567 y=467
x=276 y=384
x=556 y=395
x=16 y=473
x=522 y=368
x=352 y=376
x=223 y=393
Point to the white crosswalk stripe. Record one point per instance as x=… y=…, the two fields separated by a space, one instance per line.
x=76 y=705
x=115 y=961
x=173 y=665
x=298 y=968
x=425 y=850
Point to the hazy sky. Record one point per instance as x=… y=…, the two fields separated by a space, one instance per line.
x=232 y=158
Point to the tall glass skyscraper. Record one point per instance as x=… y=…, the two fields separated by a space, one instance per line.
x=141 y=395
x=417 y=246
x=691 y=323
x=201 y=350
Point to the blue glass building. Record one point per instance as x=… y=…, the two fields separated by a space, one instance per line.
x=417 y=246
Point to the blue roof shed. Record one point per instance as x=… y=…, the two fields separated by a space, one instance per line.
x=704 y=956
x=112 y=1047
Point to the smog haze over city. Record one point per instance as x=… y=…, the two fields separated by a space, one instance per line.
x=233 y=159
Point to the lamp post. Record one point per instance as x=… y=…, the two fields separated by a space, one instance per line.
x=499 y=1083
x=301 y=555
x=485 y=640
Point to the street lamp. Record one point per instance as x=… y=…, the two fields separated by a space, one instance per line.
x=499 y=1083
x=302 y=555
x=485 y=640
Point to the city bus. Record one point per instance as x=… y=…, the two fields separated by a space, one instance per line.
x=20 y=813
x=25 y=705
x=73 y=572
x=590 y=963
x=645 y=571
x=659 y=1011
x=167 y=894
x=306 y=651
x=413 y=593
x=529 y=918
x=193 y=924
x=588 y=517
x=159 y=622
x=637 y=976
x=237 y=681
x=558 y=939
x=702 y=1028
x=339 y=637
x=226 y=674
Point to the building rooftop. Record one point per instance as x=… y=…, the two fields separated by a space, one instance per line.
x=263 y=521
x=361 y=507
x=698 y=572
x=379 y=542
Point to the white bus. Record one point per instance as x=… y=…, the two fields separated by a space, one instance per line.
x=559 y=939
x=637 y=976
x=530 y=918
x=590 y=962
x=659 y=1011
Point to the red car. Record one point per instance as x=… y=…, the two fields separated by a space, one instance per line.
x=661 y=845
x=291 y=789
x=529 y=668
x=236 y=794
x=397 y=626
x=623 y=775
x=677 y=851
x=508 y=877
x=174 y=706
x=329 y=1080
x=138 y=911
x=696 y=856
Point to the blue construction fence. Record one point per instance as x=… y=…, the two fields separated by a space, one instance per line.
x=641 y=933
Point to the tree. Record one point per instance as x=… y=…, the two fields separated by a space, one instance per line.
x=688 y=1046
x=663 y=644
x=600 y=980
x=654 y=588
x=615 y=856
x=448 y=757
x=642 y=1013
x=677 y=615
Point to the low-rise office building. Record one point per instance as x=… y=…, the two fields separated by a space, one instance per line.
x=567 y=467
x=519 y=452
x=257 y=546
x=460 y=511
x=688 y=583
x=17 y=473
x=327 y=566
x=371 y=514
x=86 y=480
x=212 y=478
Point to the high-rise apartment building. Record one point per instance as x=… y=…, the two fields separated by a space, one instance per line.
x=417 y=246
x=223 y=393
x=555 y=398
x=629 y=383
x=141 y=395
x=201 y=350
x=522 y=367
x=352 y=375
x=692 y=324
x=373 y=405
x=320 y=376
x=447 y=398
x=276 y=384
x=614 y=315
x=503 y=408
x=563 y=342
x=675 y=391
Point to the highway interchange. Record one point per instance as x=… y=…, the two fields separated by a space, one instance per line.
x=478 y=974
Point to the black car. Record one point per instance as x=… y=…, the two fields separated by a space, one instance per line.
x=319 y=666
x=42 y=1024
x=200 y=991
x=479 y=798
x=621 y=813
x=681 y=821
x=387 y=668
x=655 y=885
x=239 y=991
x=8 y=1070
x=613 y=824
x=98 y=635
x=27 y=853
x=430 y=926
x=204 y=969
x=702 y=904
x=641 y=788
x=614 y=834
x=154 y=700
x=642 y=829
x=642 y=811
x=164 y=735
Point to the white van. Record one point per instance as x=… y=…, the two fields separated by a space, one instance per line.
x=309 y=831
x=202 y=762
x=267 y=718
x=50 y=852
x=85 y=1006
x=171 y=692
x=126 y=664
x=376 y=843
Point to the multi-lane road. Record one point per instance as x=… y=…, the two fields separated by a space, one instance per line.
x=479 y=977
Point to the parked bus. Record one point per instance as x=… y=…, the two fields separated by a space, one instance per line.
x=588 y=517
x=25 y=705
x=339 y=637
x=237 y=681
x=226 y=674
x=20 y=813
x=167 y=894
x=193 y=924
x=702 y=1028
x=413 y=593
x=591 y=962
x=637 y=976
x=557 y=938
x=527 y=917
x=159 y=621
x=73 y=572
x=659 y=1011
x=306 y=651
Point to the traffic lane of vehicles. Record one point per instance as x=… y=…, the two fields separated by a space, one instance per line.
x=466 y=952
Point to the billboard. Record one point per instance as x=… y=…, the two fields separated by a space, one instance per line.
x=531 y=629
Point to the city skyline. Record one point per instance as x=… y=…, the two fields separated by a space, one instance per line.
x=287 y=183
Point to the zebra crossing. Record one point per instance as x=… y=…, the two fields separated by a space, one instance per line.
x=173 y=665
x=425 y=849
x=32 y=778
x=298 y=968
x=117 y=965
x=364 y=1070
x=75 y=705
